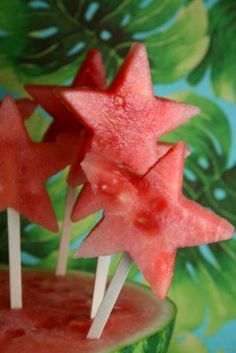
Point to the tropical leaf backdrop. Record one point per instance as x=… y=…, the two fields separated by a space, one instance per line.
x=192 y=50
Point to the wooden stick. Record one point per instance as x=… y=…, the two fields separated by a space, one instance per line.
x=66 y=232
x=13 y=219
x=101 y=275
x=110 y=298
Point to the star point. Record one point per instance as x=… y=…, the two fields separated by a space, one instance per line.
x=134 y=79
x=92 y=72
x=26 y=107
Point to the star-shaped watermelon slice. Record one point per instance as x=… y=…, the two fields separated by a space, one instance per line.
x=148 y=216
x=25 y=166
x=87 y=204
x=26 y=107
x=127 y=119
x=91 y=74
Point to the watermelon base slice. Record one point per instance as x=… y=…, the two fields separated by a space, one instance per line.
x=55 y=317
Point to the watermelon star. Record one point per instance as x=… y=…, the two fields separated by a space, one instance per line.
x=91 y=74
x=127 y=119
x=26 y=107
x=26 y=166
x=148 y=216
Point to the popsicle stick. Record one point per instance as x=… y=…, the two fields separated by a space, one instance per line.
x=66 y=232
x=101 y=275
x=13 y=219
x=110 y=298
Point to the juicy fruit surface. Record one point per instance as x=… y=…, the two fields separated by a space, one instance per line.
x=90 y=74
x=126 y=118
x=64 y=120
x=26 y=107
x=88 y=204
x=55 y=317
x=25 y=167
x=148 y=216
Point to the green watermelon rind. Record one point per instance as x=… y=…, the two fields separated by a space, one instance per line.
x=156 y=338
x=156 y=343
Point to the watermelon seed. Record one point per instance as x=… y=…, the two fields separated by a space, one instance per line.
x=103 y=187
x=123 y=198
x=146 y=221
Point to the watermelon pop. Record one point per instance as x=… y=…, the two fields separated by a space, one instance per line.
x=127 y=119
x=88 y=204
x=25 y=167
x=124 y=122
x=148 y=216
x=131 y=67
x=26 y=107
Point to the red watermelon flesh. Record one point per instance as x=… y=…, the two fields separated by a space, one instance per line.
x=26 y=166
x=148 y=216
x=64 y=120
x=56 y=317
x=91 y=74
x=87 y=204
x=126 y=119
x=76 y=175
x=26 y=107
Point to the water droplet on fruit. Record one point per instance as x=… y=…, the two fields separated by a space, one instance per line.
x=119 y=101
